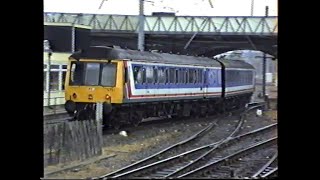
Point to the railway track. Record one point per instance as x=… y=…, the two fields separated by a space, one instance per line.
x=159 y=168
x=269 y=169
x=56 y=118
x=163 y=153
x=219 y=167
x=175 y=165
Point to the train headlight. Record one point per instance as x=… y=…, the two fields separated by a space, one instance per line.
x=108 y=97
x=90 y=97
x=74 y=95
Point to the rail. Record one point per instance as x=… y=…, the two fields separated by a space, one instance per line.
x=125 y=172
x=223 y=161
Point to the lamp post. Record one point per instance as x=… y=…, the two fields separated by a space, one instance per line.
x=49 y=51
x=252 y=7
x=141 y=27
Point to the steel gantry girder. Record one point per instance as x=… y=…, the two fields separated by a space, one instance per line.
x=229 y=25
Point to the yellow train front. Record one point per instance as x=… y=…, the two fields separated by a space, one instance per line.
x=91 y=80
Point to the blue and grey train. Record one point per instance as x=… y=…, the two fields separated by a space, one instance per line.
x=134 y=85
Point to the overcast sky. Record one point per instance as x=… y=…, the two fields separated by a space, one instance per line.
x=180 y=7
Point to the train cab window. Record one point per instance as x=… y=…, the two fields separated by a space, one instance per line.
x=92 y=71
x=76 y=73
x=108 y=75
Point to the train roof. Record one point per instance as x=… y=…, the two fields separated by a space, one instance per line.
x=236 y=64
x=105 y=52
x=102 y=52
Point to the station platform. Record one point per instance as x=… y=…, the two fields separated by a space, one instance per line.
x=53 y=110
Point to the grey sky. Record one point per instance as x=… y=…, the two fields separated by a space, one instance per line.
x=180 y=7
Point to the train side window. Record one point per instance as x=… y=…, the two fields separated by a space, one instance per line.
x=155 y=74
x=247 y=77
x=181 y=76
x=186 y=76
x=214 y=77
x=144 y=79
x=149 y=74
x=191 y=77
x=171 y=75
x=161 y=76
x=229 y=77
x=233 y=77
x=195 y=76
x=141 y=78
x=167 y=75
x=177 y=76
x=243 y=77
x=200 y=75
x=205 y=78
x=135 y=73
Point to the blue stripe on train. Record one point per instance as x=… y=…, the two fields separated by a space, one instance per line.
x=213 y=77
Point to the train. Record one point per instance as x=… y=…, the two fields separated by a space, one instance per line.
x=134 y=85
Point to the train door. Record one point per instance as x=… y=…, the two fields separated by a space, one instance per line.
x=205 y=82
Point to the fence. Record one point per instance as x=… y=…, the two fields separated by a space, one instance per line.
x=71 y=141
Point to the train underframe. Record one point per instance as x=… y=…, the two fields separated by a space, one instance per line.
x=134 y=113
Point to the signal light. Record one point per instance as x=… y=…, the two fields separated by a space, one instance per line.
x=107 y=96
